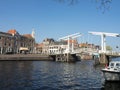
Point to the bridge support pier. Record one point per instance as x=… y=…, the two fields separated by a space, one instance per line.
x=104 y=59
x=65 y=57
x=61 y=57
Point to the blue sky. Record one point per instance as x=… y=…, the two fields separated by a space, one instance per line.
x=52 y=19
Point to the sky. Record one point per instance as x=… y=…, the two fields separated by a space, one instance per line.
x=51 y=19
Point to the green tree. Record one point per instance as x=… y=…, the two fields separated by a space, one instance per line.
x=109 y=48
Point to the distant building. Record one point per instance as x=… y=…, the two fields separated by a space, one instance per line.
x=6 y=42
x=90 y=46
x=39 y=48
x=29 y=42
x=13 y=42
x=16 y=38
x=50 y=46
x=46 y=43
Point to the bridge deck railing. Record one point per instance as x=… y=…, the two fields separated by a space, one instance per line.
x=111 y=53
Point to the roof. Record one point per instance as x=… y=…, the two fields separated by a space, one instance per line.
x=4 y=34
x=39 y=45
x=28 y=36
x=12 y=31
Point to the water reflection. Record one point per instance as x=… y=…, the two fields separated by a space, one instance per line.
x=111 y=86
x=45 y=75
x=13 y=75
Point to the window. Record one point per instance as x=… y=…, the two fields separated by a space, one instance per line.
x=117 y=65
x=112 y=65
x=9 y=44
x=21 y=44
x=5 y=44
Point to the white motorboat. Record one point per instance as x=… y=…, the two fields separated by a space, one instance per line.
x=112 y=71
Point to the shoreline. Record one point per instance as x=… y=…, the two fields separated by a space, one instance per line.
x=25 y=57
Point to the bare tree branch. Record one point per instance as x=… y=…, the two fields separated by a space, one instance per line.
x=71 y=2
x=102 y=4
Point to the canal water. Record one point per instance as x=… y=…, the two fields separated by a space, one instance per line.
x=50 y=75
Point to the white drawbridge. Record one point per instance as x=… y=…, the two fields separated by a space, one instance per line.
x=103 y=38
x=71 y=37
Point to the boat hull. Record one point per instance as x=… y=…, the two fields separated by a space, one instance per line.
x=111 y=76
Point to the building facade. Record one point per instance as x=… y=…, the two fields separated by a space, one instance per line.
x=13 y=42
x=50 y=46
x=6 y=43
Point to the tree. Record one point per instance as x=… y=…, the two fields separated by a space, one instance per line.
x=102 y=4
x=109 y=48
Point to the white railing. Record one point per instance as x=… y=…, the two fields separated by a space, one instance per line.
x=110 y=52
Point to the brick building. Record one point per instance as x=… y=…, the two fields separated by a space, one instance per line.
x=6 y=42
x=13 y=42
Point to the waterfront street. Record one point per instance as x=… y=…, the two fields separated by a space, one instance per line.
x=22 y=57
x=50 y=75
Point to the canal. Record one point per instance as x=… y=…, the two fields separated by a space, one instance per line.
x=50 y=75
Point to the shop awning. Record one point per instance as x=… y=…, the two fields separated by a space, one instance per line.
x=23 y=49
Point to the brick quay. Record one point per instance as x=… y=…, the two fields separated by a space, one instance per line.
x=25 y=57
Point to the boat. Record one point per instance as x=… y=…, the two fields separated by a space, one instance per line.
x=112 y=71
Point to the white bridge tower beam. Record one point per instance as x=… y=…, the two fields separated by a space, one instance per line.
x=103 y=38
x=71 y=37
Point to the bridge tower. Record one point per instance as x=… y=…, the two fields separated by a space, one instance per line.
x=69 y=54
x=103 y=38
x=103 y=57
x=72 y=37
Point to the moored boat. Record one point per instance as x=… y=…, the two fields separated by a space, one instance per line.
x=112 y=71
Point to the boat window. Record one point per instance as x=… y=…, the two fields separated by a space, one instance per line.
x=117 y=64
x=112 y=64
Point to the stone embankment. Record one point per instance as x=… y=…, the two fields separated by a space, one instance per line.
x=86 y=57
x=27 y=57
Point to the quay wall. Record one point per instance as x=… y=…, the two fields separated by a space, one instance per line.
x=25 y=57
x=106 y=58
x=65 y=57
x=86 y=57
